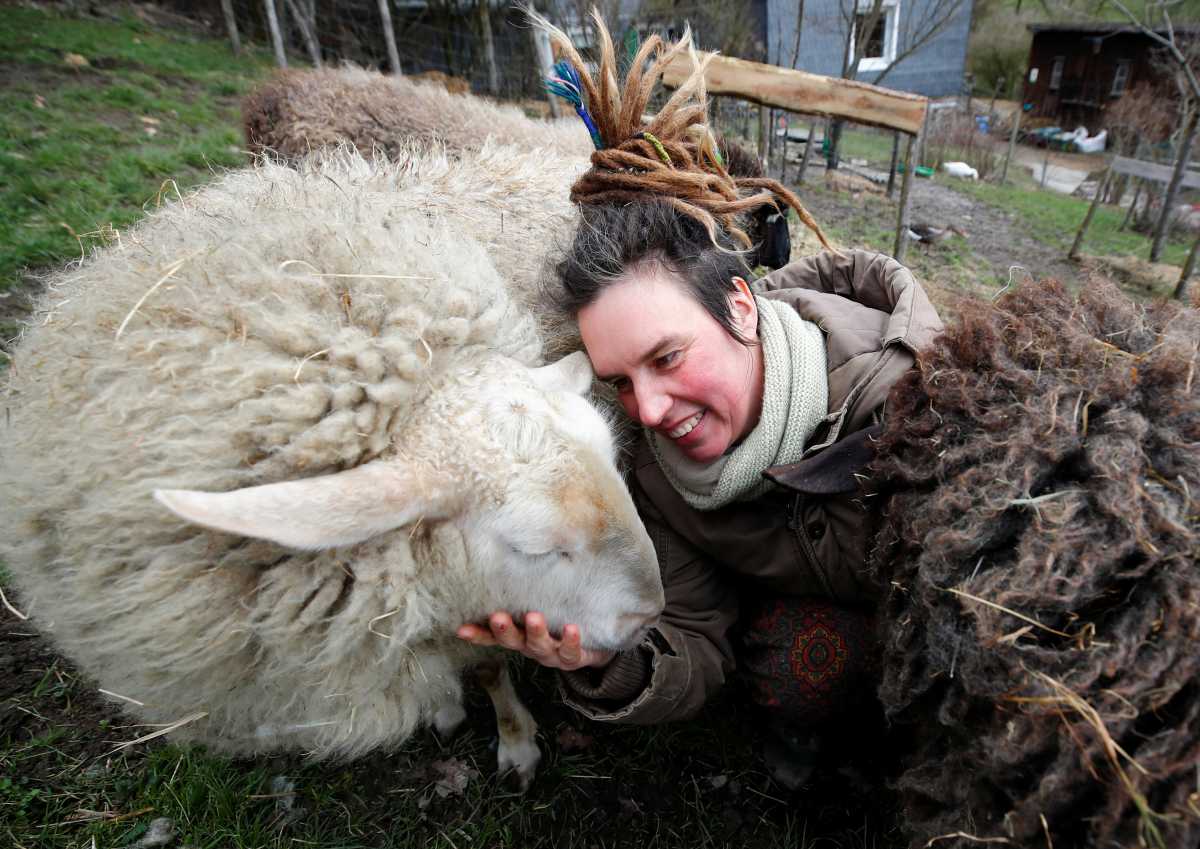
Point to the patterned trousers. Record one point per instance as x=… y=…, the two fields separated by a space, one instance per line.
x=807 y=659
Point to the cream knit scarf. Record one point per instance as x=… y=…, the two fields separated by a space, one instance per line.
x=795 y=398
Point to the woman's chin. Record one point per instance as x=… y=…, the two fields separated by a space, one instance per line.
x=702 y=452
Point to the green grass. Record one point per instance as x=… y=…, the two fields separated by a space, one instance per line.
x=76 y=156
x=62 y=786
x=871 y=225
x=875 y=146
x=1053 y=219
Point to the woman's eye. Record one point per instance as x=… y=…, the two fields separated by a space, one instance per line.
x=668 y=359
x=619 y=383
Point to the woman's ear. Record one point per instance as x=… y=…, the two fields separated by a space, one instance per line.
x=744 y=308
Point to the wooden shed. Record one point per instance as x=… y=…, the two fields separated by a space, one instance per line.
x=1077 y=70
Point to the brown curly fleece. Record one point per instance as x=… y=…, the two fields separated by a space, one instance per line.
x=1045 y=459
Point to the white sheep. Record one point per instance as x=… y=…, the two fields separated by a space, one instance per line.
x=514 y=202
x=323 y=373
x=298 y=111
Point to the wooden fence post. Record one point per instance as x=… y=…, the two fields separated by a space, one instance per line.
x=891 y=188
x=783 y=158
x=1073 y=254
x=808 y=146
x=1012 y=143
x=1137 y=193
x=1181 y=162
x=901 y=244
x=762 y=133
x=1188 y=268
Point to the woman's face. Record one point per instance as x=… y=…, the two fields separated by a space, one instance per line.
x=675 y=369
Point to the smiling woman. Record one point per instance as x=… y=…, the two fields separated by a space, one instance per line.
x=757 y=401
x=676 y=370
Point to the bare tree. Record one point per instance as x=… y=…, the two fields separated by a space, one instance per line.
x=306 y=20
x=276 y=35
x=890 y=32
x=578 y=14
x=231 y=26
x=1153 y=19
x=916 y=24
x=389 y=36
x=725 y=26
x=489 y=45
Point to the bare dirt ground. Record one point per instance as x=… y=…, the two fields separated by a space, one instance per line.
x=993 y=234
x=998 y=250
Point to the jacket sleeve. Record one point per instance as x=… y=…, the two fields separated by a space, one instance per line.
x=683 y=660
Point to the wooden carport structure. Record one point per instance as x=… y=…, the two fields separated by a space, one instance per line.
x=813 y=94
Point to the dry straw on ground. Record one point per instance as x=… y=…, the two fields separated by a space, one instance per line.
x=1042 y=536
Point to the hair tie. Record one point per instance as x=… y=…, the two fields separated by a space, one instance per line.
x=567 y=85
x=662 y=151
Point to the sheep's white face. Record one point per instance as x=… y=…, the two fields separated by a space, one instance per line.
x=565 y=539
x=527 y=471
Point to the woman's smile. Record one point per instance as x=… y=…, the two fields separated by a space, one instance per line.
x=687 y=427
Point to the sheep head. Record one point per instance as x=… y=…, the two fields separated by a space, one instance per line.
x=521 y=462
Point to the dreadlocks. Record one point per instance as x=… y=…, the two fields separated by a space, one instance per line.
x=673 y=158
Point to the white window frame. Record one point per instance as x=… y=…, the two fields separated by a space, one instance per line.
x=891 y=34
x=1120 y=79
x=1056 y=72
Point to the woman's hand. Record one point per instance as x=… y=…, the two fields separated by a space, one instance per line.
x=535 y=641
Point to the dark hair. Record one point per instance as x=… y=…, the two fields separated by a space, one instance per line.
x=611 y=238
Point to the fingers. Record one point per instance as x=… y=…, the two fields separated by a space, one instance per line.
x=506 y=632
x=534 y=641
x=476 y=636
x=538 y=643
x=570 y=652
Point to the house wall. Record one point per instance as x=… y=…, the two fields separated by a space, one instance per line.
x=936 y=69
x=1090 y=63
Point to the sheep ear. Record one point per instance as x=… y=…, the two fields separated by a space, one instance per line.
x=573 y=373
x=321 y=512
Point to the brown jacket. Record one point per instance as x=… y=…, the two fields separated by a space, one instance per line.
x=809 y=536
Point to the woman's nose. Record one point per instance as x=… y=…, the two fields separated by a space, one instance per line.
x=652 y=403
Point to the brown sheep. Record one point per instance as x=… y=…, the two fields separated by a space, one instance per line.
x=1041 y=546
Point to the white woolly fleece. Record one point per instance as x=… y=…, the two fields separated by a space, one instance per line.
x=311 y=109
x=277 y=324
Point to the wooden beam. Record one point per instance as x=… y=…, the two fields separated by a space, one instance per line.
x=810 y=94
x=1153 y=171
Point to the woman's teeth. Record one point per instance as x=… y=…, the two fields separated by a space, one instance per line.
x=686 y=427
